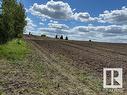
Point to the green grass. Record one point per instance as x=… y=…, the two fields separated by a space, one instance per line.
x=14 y=50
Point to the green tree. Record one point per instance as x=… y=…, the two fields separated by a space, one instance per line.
x=1 y=31
x=12 y=20
x=1 y=39
x=66 y=38
x=61 y=37
x=8 y=9
x=20 y=21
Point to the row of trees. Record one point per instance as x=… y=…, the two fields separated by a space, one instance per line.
x=12 y=20
x=61 y=37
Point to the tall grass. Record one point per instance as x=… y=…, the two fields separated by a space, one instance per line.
x=15 y=49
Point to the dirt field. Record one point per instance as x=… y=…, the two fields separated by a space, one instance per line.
x=90 y=57
x=59 y=67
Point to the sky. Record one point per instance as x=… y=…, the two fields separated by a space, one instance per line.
x=97 y=20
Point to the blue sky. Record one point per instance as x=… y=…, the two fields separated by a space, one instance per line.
x=98 y=20
x=94 y=7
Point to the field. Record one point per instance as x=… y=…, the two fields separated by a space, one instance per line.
x=59 y=67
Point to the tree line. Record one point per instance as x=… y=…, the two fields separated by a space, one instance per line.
x=61 y=37
x=12 y=20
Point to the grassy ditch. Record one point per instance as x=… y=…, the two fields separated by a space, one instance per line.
x=14 y=50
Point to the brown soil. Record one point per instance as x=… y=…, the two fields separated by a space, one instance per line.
x=59 y=67
x=91 y=57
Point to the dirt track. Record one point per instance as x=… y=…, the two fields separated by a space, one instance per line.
x=88 y=56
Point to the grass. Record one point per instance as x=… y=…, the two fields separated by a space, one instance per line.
x=15 y=49
x=93 y=83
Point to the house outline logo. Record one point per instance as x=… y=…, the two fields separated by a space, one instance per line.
x=118 y=78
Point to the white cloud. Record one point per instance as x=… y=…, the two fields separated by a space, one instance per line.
x=110 y=29
x=59 y=10
x=0 y=6
x=27 y=10
x=55 y=10
x=114 y=16
x=90 y=31
x=52 y=21
x=0 y=2
x=53 y=31
x=55 y=28
x=58 y=26
x=83 y=17
x=30 y=27
x=110 y=33
x=41 y=23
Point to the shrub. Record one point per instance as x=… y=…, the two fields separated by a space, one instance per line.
x=61 y=37
x=56 y=37
x=66 y=38
x=90 y=40
x=43 y=35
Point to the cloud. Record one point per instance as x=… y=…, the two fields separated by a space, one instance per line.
x=0 y=5
x=55 y=10
x=52 y=21
x=53 y=31
x=26 y=10
x=110 y=33
x=83 y=17
x=58 y=26
x=59 y=10
x=110 y=29
x=30 y=27
x=87 y=32
x=0 y=2
x=41 y=23
x=114 y=16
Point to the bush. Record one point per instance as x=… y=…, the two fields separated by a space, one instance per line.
x=61 y=37
x=56 y=37
x=66 y=38
x=43 y=35
x=90 y=40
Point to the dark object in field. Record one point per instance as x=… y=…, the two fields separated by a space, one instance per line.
x=61 y=37
x=58 y=85
x=90 y=40
x=43 y=35
x=29 y=33
x=56 y=37
x=66 y=38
